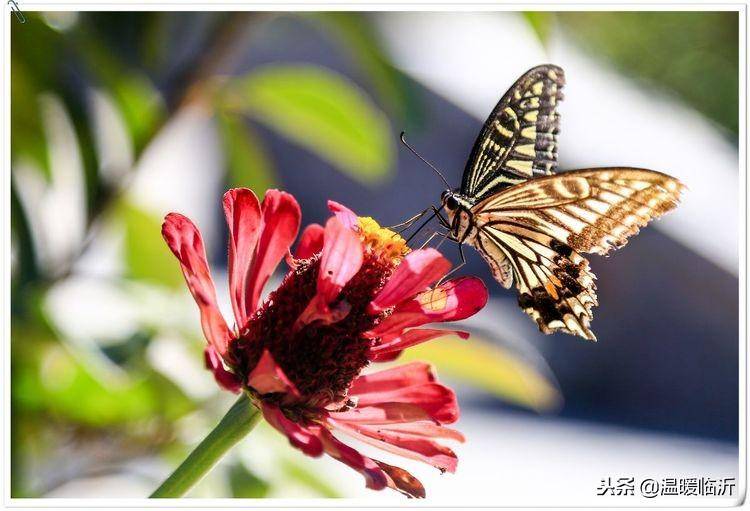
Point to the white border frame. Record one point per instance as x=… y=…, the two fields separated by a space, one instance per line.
x=178 y=5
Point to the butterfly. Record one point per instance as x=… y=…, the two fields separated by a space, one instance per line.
x=532 y=225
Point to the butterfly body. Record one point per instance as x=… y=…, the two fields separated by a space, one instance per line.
x=531 y=225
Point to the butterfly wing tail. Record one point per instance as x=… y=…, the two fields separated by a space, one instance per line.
x=563 y=301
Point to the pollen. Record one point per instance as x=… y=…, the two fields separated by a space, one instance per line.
x=381 y=240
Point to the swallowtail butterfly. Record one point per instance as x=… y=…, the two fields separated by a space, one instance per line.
x=532 y=225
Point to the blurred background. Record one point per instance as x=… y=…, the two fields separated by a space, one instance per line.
x=119 y=118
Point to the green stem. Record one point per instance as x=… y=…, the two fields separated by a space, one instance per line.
x=238 y=422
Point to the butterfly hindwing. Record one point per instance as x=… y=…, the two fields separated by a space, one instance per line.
x=555 y=286
x=543 y=225
x=519 y=139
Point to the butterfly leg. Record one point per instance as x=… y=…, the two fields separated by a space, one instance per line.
x=443 y=221
x=432 y=237
x=459 y=266
x=454 y=270
x=435 y=212
x=409 y=222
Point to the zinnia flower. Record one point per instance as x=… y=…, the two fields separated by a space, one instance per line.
x=355 y=294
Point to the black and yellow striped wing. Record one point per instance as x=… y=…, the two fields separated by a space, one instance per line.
x=519 y=139
x=541 y=227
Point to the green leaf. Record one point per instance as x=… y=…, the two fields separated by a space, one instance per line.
x=247 y=162
x=490 y=368
x=246 y=485
x=353 y=33
x=540 y=22
x=147 y=257
x=322 y=111
x=301 y=474
x=59 y=380
x=141 y=107
x=694 y=55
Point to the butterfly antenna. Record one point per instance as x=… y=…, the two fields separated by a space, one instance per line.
x=410 y=148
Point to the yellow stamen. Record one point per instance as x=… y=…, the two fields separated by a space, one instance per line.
x=382 y=240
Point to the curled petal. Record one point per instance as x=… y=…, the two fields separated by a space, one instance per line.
x=290 y=260
x=404 y=444
x=319 y=310
x=412 y=338
x=186 y=244
x=455 y=300
x=267 y=377
x=402 y=481
x=242 y=211
x=303 y=439
x=341 y=259
x=418 y=270
x=226 y=379
x=428 y=401
x=413 y=373
x=281 y=219
x=375 y=478
x=310 y=242
x=344 y=214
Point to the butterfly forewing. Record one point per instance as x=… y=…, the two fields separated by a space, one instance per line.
x=530 y=225
x=542 y=226
x=519 y=139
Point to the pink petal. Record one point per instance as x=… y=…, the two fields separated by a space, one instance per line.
x=346 y=215
x=281 y=219
x=427 y=429
x=226 y=379
x=410 y=446
x=267 y=377
x=391 y=413
x=437 y=399
x=242 y=211
x=303 y=439
x=310 y=242
x=386 y=357
x=413 y=373
x=415 y=403
x=375 y=478
x=402 y=481
x=412 y=338
x=340 y=260
x=416 y=272
x=455 y=300
x=186 y=244
x=290 y=260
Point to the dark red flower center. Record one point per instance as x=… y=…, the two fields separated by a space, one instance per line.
x=320 y=359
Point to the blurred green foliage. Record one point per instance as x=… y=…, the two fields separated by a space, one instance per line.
x=248 y=164
x=147 y=258
x=541 y=22
x=320 y=110
x=694 y=55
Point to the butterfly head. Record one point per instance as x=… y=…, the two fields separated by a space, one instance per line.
x=458 y=208
x=449 y=200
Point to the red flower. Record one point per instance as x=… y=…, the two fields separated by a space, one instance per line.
x=355 y=294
